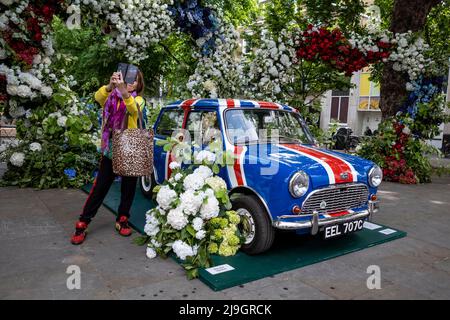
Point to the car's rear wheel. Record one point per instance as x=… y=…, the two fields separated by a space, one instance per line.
x=146 y=185
x=255 y=226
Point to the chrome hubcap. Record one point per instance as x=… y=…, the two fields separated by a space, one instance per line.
x=247 y=225
x=146 y=183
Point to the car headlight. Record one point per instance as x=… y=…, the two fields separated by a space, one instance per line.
x=375 y=176
x=299 y=184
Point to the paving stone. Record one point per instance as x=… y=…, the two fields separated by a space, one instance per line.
x=36 y=226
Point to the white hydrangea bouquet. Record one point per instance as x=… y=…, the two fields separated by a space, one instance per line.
x=193 y=217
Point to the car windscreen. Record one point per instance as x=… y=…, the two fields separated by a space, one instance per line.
x=245 y=126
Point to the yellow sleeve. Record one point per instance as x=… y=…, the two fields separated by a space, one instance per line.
x=130 y=103
x=101 y=95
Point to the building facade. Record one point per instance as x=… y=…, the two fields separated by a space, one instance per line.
x=358 y=107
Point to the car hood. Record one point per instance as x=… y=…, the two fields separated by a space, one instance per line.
x=324 y=167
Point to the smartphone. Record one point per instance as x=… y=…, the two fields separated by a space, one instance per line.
x=129 y=72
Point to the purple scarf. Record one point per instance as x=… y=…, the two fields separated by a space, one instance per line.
x=113 y=116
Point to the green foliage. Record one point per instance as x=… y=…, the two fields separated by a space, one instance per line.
x=345 y=14
x=437 y=31
x=412 y=154
x=429 y=117
x=278 y=14
x=237 y=12
x=87 y=56
x=68 y=146
x=220 y=233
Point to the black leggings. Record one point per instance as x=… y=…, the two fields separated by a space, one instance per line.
x=102 y=183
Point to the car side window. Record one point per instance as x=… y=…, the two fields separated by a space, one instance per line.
x=203 y=126
x=170 y=121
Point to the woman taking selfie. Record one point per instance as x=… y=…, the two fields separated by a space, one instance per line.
x=116 y=99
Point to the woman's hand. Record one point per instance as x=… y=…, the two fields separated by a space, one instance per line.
x=122 y=86
x=112 y=80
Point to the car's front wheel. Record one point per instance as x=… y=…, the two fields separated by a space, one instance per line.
x=146 y=185
x=255 y=225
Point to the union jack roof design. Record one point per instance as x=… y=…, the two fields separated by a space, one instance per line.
x=229 y=103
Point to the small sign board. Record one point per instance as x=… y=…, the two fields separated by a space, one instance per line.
x=220 y=269
x=370 y=225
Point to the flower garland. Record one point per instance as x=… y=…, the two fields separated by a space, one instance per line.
x=133 y=25
x=57 y=139
x=346 y=55
x=271 y=68
x=410 y=56
x=219 y=72
x=193 y=217
x=200 y=22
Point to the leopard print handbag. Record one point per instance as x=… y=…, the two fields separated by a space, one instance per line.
x=132 y=150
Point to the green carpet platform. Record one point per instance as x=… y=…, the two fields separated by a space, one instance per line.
x=288 y=252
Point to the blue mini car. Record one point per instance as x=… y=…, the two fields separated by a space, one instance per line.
x=279 y=179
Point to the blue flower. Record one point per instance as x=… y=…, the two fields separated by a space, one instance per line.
x=71 y=173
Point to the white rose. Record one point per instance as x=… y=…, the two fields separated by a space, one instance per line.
x=210 y=209
x=193 y=181
x=190 y=202
x=35 y=146
x=151 y=253
x=62 y=121
x=206 y=156
x=174 y=165
x=47 y=91
x=203 y=172
x=165 y=197
x=17 y=159
x=176 y=218
x=216 y=183
x=12 y=89
x=197 y=223
x=182 y=249
x=200 y=234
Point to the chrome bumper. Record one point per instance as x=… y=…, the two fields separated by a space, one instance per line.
x=315 y=223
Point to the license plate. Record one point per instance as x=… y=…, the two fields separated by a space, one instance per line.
x=337 y=230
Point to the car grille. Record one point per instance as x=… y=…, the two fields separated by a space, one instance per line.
x=337 y=198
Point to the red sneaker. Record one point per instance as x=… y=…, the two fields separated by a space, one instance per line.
x=80 y=233
x=122 y=226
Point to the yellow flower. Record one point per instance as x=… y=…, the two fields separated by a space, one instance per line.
x=218 y=234
x=225 y=250
x=213 y=248
x=223 y=223
x=215 y=222
x=233 y=217
x=233 y=240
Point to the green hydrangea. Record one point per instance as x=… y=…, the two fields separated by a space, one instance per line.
x=213 y=248
x=233 y=240
x=233 y=217
x=218 y=234
x=225 y=250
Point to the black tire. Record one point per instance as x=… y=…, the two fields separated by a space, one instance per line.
x=146 y=184
x=264 y=233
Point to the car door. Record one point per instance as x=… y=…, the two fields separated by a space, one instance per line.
x=169 y=120
x=204 y=127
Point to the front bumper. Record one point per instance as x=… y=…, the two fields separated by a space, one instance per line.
x=315 y=222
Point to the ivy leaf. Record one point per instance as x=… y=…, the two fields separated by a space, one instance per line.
x=191 y=230
x=140 y=241
x=167 y=147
